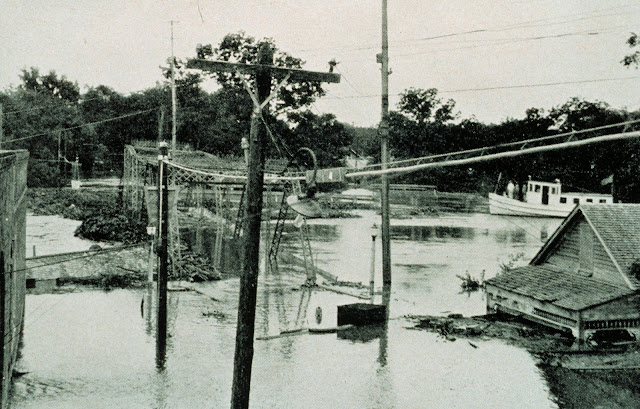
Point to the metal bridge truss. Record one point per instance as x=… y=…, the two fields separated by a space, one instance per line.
x=196 y=172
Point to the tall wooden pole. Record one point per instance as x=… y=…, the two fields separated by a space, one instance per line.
x=1 y=126
x=264 y=71
x=163 y=226
x=251 y=258
x=173 y=98
x=384 y=152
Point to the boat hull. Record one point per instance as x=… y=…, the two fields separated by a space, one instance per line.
x=503 y=205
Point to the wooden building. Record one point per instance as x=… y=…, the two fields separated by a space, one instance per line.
x=584 y=278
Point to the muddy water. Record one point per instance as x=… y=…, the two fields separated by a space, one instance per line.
x=96 y=349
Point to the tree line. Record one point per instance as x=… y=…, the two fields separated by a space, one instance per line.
x=50 y=116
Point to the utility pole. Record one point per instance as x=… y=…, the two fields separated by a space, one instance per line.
x=173 y=98
x=243 y=357
x=383 y=59
x=1 y=126
x=264 y=72
x=163 y=229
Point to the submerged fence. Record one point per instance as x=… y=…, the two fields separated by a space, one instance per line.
x=13 y=231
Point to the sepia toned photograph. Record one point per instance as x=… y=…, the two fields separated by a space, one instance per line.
x=336 y=204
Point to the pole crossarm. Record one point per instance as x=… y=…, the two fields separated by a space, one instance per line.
x=277 y=72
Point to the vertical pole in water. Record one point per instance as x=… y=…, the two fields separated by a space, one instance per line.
x=163 y=226
x=384 y=150
x=243 y=357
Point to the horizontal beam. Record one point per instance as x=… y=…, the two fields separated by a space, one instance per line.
x=493 y=156
x=276 y=72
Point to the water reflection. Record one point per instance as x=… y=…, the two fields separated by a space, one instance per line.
x=363 y=334
x=216 y=244
x=96 y=349
x=426 y=233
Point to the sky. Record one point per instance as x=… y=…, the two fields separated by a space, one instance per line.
x=495 y=58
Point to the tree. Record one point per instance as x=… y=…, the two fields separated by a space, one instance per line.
x=424 y=106
x=50 y=84
x=327 y=137
x=634 y=58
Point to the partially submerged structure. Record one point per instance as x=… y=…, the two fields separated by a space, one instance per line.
x=13 y=232
x=585 y=278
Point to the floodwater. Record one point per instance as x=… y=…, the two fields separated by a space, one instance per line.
x=90 y=348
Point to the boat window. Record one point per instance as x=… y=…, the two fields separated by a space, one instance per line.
x=563 y=199
x=553 y=190
x=603 y=200
x=537 y=188
x=576 y=200
x=530 y=187
x=589 y=200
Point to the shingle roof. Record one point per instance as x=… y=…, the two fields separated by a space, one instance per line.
x=550 y=284
x=618 y=225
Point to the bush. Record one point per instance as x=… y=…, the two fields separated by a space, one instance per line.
x=102 y=214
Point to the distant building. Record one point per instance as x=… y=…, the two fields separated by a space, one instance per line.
x=585 y=278
x=13 y=232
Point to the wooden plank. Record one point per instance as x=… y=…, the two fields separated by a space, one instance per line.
x=276 y=72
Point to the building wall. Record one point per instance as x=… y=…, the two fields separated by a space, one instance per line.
x=621 y=313
x=13 y=185
x=540 y=311
x=570 y=254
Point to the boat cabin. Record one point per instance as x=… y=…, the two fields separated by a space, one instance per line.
x=584 y=279
x=550 y=193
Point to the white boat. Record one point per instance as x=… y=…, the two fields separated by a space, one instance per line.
x=542 y=199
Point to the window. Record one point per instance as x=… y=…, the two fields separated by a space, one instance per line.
x=553 y=190
x=603 y=200
x=537 y=188
x=589 y=200
x=576 y=200
x=530 y=187
x=563 y=199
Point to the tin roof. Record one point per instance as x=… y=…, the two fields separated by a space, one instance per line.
x=548 y=283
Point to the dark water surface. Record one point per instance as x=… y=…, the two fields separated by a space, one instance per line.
x=96 y=349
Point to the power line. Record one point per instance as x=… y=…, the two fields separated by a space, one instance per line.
x=81 y=125
x=499 y=87
x=520 y=25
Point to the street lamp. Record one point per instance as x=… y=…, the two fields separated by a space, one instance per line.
x=374 y=234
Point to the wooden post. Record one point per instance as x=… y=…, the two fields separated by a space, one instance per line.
x=1 y=126
x=173 y=98
x=264 y=71
x=163 y=226
x=384 y=151
x=249 y=281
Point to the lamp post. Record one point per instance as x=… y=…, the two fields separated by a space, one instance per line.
x=372 y=273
